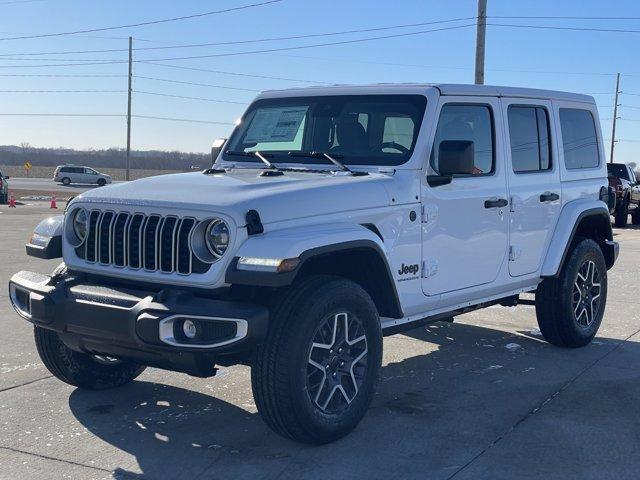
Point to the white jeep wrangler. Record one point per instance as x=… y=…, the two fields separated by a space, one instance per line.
x=331 y=217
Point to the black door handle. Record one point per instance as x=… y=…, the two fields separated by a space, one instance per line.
x=496 y=203
x=549 y=197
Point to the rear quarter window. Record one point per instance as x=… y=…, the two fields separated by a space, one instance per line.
x=579 y=139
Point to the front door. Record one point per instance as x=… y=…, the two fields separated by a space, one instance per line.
x=465 y=222
x=534 y=182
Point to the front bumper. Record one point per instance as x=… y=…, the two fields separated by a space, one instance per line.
x=141 y=325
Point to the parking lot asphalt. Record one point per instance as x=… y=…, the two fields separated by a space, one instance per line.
x=482 y=398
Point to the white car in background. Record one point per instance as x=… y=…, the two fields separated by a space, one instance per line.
x=68 y=174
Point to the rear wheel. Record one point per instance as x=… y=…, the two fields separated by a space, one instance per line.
x=3 y=198
x=314 y=376
x=570 y=307
x=92 y=372
x=66 y=181
x=622 y=214
x=635 y=218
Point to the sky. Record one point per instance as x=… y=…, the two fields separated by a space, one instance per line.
x=579 y=61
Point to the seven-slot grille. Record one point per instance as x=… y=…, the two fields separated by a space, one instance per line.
x=141 y=242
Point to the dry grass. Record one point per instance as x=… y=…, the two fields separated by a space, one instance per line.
x=116 y=173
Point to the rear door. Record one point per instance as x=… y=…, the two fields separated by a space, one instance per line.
x=534 y=182
x=465 y=223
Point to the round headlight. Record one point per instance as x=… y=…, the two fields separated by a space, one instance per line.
x=80 y=222
x=217 y=237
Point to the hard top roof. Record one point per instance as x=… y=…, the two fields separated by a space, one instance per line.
x=421 y=88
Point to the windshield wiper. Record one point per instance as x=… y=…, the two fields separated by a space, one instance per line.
x=332 y=158
x=255 y=153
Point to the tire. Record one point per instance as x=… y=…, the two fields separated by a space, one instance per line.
x=560 y=308
x=102 y=182
x=298 y=397
x=66 y=181
x=635 y=218
x=81 y=369
x=622 y=214
x=3 y=198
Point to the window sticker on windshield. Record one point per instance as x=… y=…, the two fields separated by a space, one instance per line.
x=275 y=124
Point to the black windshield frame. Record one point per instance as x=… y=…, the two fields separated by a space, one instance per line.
x=330 y=109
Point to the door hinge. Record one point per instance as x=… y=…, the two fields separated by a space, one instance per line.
x=514 y=253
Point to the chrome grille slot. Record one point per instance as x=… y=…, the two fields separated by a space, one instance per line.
x=183 y=255
x=119 y=238
x=139 y=241
x=167 y=235
x=92 y=235
x=134 y=241
x=104 y=237
x=150 y=241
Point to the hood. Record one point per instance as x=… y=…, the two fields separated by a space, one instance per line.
x=290 y=196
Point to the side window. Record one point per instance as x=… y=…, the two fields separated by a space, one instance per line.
x=579 y=140
x=471 y=124
x=529 y=135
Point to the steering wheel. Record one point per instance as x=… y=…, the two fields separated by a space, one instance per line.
x=396 y=146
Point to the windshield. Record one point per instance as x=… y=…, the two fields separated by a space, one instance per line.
x=361 y=129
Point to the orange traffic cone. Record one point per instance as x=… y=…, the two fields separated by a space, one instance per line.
x=53 y=201
x=12 y=201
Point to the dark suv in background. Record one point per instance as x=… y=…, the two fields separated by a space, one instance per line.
x=623 y=180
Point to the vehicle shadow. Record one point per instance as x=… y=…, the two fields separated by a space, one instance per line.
x=436 y=406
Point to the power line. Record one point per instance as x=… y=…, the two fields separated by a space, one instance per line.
x=61 y=115
x=182 y=82
x=141 y=24
x=49 y=75
x=13 y=2
x=559 y=17
x=171 y=119
x=188 y=98
x=552 y=27
x=65 y=64
x=62 y=91
x=232 y=54
x=237 y=74
x=300 y=47
x=241 y=42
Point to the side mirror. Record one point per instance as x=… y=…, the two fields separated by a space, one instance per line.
x=456 y=157
x=216 y=148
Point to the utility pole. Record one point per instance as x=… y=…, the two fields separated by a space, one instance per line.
x=615 y=117
x=129 y=108
x=480 y=36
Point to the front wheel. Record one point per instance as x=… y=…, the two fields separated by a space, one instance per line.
x=570 y=308
x=92 y=372
x=635 y=218
x=102 y=182
x=314 y=377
